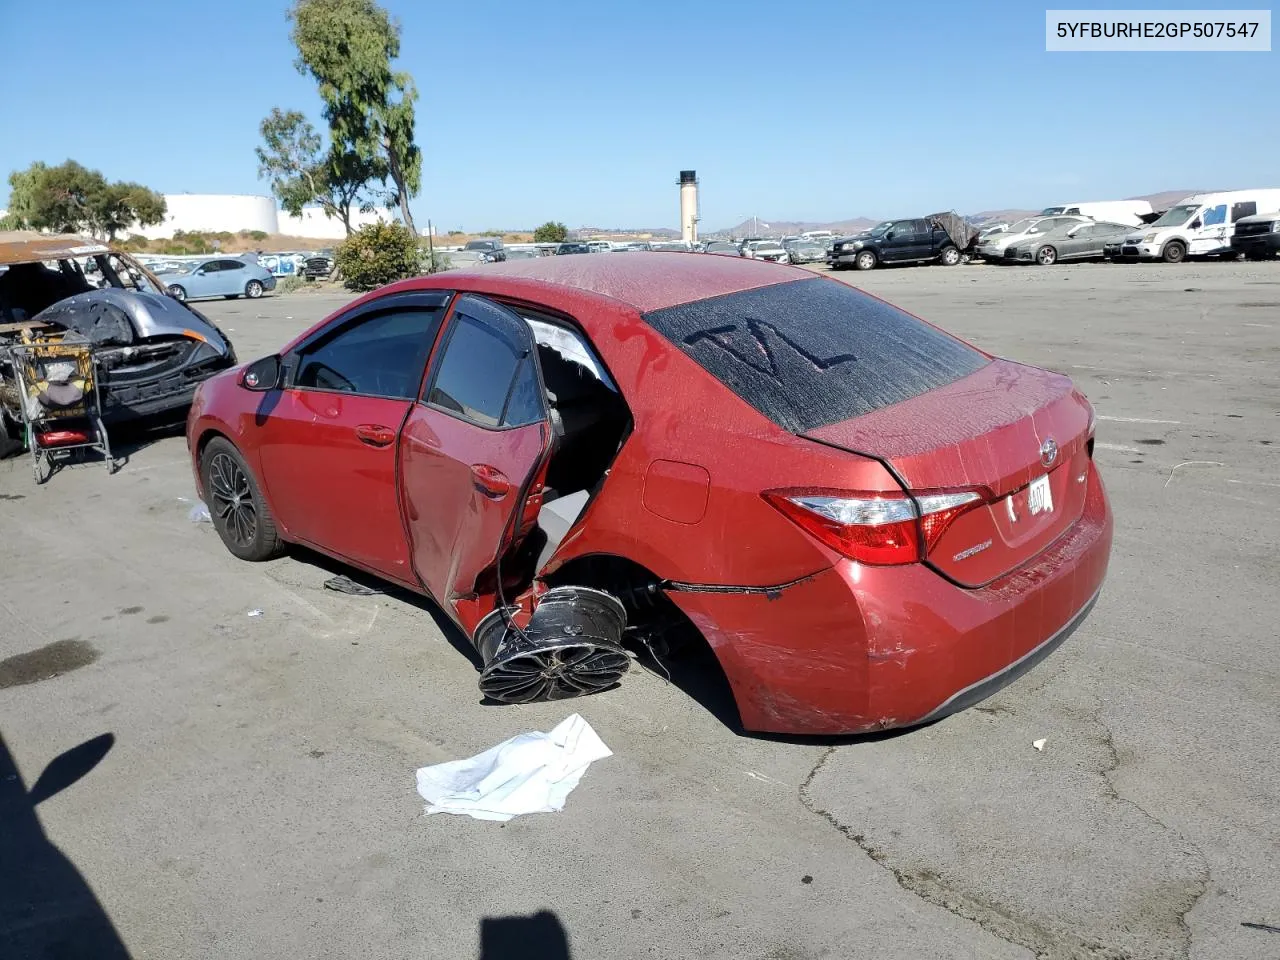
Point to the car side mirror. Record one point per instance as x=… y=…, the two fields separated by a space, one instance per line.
x=889 y=235
x=1196 y=224
x=263 y=375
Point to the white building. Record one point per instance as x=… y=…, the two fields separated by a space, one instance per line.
x=231 y=213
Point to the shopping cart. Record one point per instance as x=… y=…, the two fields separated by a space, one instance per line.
x=56 y=380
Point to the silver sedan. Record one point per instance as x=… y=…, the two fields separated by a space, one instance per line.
x=1068 y=241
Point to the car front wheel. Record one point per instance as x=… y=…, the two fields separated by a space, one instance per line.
x=1046 y=256
x=1174 y=252
x=253 y=289
x=239 y=511
x=865 y=260
x=178 y=293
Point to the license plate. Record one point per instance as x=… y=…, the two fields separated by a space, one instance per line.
x=1039 y=496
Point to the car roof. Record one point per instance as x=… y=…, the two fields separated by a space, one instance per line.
x=27 y=246
x=647 y=281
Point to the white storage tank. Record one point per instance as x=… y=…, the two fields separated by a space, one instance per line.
x=215 y=213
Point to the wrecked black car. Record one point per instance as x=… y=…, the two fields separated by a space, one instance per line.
x=150 y=350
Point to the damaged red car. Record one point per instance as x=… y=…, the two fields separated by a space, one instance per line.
x=870 y=522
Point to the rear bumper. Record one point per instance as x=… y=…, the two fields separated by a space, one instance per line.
x=855 y=649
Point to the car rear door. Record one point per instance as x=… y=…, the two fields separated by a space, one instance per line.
x=327 y=440
x=471 y=447
x=232 y=276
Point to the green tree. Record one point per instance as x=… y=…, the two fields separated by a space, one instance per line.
x=292 y=158
x=378 y=254
x=347 y=47
x=551 y=232
x=70 y=198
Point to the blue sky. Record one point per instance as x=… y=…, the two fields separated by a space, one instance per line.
x=585 y=112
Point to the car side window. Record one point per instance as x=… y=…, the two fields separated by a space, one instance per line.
x=213 y=266
x=1246 y=208
x=379 y=355
x=487 y=373
x=225 y=265
x=1215 y=215
x=921 y=227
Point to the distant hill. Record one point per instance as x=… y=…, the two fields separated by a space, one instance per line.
x=778 y=228
x=781 y=228
x=1159 y=201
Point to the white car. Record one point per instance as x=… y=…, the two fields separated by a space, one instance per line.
x=1200 y=225
x=993 y=247
x=766 y=250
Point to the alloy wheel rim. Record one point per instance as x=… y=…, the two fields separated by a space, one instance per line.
x=233 y=500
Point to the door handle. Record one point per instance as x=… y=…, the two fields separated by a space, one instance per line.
x=375 y=434
x=490 y=481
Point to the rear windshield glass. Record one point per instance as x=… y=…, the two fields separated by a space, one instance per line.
x=813 y=352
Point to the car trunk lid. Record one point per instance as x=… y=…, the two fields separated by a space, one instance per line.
x=998 y=431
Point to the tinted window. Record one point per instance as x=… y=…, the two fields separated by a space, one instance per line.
x=225 y=265
x=525 y=403
x=380 y=355
x=1246 y=209
x=476 y=376
x=213 y=266
x=920 y=227
x=812 y=352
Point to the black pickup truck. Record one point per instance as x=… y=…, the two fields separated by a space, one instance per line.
x=940 y=237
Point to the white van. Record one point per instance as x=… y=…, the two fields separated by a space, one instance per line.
x=818 y=234
x=599 y=246
x=1109 y=211
x=1199 y=226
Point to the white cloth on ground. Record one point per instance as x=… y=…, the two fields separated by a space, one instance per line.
x=531 y=773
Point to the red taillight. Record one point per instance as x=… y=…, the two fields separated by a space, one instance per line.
x=874 y=528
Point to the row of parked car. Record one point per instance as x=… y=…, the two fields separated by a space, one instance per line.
x=1226 y=224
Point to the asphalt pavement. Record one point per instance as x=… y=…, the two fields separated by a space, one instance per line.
x=256 y=796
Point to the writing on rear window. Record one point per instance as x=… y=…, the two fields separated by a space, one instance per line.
x=808 y=353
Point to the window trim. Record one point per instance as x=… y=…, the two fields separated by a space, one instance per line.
x=441 y=299
x=436 y=361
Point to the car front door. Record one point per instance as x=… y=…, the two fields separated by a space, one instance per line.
x=898 y=241
x=1077 y=242
x=471 y=447
x=327 y=439
x=1211 y=236
x=203 y=281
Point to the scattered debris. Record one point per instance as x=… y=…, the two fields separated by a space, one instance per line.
x=254 y=613
x=344 y=584
x=530 y=773
x=1039 y=744
x=200 y=513
x=1188 y=463
x=1265 y=927
x=806 y=879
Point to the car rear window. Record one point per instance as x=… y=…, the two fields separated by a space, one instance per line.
x=808 y=353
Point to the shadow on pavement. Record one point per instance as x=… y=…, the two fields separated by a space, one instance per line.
x=538 y=937
x=47 y=909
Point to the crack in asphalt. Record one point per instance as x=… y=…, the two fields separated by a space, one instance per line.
x=995 y=919
x=1204 y=874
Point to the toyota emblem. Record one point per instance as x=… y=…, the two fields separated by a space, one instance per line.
x=1048 y=452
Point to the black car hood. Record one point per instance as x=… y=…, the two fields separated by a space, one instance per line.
x=112 y=316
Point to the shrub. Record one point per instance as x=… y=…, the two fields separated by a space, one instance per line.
x=551 y=232
x=290 y=284
x=258 y=235
x=378 y=254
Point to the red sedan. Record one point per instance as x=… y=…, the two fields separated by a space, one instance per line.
x=871 y=522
